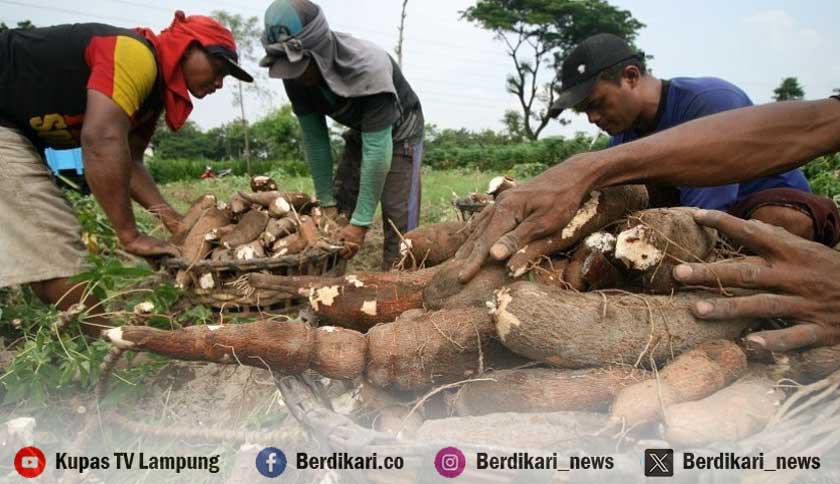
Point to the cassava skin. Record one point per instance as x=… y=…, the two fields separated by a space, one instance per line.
x=580 y=330
x=196 y=246
x=198 y=207
x=732 y=414
x=339 y=353
x=282 y=346
x=249 y=228
x=693 y=375
x=263 y=199
x=533 y=390
x=445 y=291
x=434 y=348
x=357 y=301
x=433 y=244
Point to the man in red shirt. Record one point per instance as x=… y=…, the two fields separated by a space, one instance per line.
x=101 y=88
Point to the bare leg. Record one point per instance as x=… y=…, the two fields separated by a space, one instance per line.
x=63 y=294
x=790 y=219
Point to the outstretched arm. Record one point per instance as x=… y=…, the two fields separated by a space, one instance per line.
x=729 y=147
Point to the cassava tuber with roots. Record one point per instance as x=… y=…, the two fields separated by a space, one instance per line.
x=730 y=415
x=261 y=183
x=445 y=291
x=281 y=346
x=695 y=374
x=545 y=390
x=196 y=210
x=599 y=210
x=424 y=349
x=357 y=301
x=412 y=353
x=579 y=330
x=655 y=241
x=249 y=228
x=432 y=244
x=196 y=246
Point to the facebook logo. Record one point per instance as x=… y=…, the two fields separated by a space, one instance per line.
x=271 y=462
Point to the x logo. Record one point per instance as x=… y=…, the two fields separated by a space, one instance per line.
x=659 y=462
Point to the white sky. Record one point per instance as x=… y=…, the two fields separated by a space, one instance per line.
x=459 y=70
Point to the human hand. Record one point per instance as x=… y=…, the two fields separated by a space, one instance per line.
x=523 y=215
x=145 y=246
x=352 y=237
x=797 y=279
x=171 y=219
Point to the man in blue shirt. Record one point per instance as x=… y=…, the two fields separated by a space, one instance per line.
x=606 y=79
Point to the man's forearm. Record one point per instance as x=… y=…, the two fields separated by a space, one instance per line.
x=108 y=172
x=728 y=147
x=145 y=191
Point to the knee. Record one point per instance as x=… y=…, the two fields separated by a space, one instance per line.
x=790 y=219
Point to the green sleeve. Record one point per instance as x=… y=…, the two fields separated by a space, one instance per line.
x=316 y=144
x=377 y=151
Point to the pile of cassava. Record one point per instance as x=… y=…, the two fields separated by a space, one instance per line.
x=261 y=224
x=598 y=326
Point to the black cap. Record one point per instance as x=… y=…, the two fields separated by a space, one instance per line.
x=232 y=60
x=583 y=64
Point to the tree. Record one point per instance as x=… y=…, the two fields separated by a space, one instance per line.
x=514 y=128
x=279 y=133
x=189 y=142
x=399 y=49
x=788 y=90
x=23 y=24
x=247 y=33
x=538 y=34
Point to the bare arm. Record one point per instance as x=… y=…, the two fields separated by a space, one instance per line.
x=145 y=191
x=729 y=147
x=724 y=148
x=109 y=168
x=108 y=161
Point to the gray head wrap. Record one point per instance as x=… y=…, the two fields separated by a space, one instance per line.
x=351 y=67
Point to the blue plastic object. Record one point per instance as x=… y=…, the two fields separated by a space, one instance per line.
x=65 y=160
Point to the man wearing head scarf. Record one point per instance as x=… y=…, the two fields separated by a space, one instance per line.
x=357 y=84
x=101 y=88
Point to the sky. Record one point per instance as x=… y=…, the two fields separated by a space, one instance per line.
x=458 y=70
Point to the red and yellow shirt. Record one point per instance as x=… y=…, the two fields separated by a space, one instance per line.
x=46 y=73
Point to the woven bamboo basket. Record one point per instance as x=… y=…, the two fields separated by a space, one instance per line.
x=226 y=294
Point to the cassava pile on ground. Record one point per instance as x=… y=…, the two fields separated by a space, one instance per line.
x=597 y=324
x=262 y=224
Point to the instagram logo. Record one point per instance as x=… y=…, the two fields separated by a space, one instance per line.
x=30 y=462
x=450 y=462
